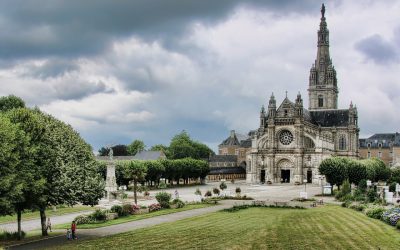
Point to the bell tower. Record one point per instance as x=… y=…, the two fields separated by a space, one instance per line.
x=323 y=90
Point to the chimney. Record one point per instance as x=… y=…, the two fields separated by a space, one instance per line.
x=232 y=133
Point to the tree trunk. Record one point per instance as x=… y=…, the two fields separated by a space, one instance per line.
x=19 y=212
x=134 y=190
x=43 y=221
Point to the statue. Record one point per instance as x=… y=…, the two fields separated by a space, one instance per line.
x=323 y=10
x=111 y=153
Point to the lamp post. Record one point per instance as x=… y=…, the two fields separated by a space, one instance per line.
x=262 y=169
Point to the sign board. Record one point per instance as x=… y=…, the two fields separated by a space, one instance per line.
x=389 y=197
x=369 y=183
x=303 y=195
x=328 y=189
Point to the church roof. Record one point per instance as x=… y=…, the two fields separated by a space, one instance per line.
x=330 y=118
x=246 y=143
x=234 y=139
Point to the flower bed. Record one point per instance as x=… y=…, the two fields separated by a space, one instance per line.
x=391 y=216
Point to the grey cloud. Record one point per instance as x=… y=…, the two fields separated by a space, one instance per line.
x=51 y=68
x=377 y=49
x=75 y=28
x=68 y=90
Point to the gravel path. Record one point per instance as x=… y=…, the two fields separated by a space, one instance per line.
x=30 y=225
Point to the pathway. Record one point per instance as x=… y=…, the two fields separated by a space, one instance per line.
x=30 y=225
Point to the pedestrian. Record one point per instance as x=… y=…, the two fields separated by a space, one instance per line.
x=48 y=224
x=69 y=235
x=73 y=230
x=176 y=194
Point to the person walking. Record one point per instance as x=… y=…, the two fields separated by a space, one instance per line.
x=48 y=224
x=73 y=230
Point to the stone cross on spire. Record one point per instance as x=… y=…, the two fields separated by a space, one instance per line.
x=323 y=10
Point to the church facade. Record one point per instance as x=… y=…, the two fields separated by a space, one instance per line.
x=291 y=140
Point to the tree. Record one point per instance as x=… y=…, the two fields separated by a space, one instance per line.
x=135 y=147
x=62 y=160
x=356 y=171
x=163 y=148
x=118 y=150
x=334 y=169
x=17 y=175
x=154 y=171
x=136 y=171
x=11 y=102
x=182 y=146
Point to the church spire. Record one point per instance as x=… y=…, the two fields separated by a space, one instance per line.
x=323 y=91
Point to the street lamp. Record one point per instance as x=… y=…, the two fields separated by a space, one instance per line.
x=305 y=185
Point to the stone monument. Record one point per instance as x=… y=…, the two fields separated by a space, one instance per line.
x=111 y=185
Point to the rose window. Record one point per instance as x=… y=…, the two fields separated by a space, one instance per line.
x=286 y=137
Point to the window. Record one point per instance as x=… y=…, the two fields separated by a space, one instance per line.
x=286 y=112
x=342 y=143
x=369 y=154
x=379 y=154
x=320 y=101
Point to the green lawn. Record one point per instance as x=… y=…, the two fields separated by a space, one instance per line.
x=328 y=227
x=134 y=217
x=49 y=213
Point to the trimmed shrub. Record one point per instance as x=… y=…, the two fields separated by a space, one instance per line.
x=83 y=219
x=358 y=207
x=208 y=194
x=375 y=212
x=127 y=209
x=117 y=209
x=162 y=185
x=5 y=235
x=223 y=185
x=98 y=215
x=178 y=203
x=372 y=196
x=146 y=193
x=163 y=199
x=197 y=192
x=154 y=207
x=216 y=191
x=238 y=190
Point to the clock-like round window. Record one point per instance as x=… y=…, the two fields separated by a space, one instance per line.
x=286 y=137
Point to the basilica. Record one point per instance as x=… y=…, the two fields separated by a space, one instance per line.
x=291 y=140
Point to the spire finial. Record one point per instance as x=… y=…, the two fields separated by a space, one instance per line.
x=286 y=93
x=323 y=10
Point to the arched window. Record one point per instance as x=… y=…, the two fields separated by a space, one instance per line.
x=308 y=143
x=320 y=101
x=342 y=143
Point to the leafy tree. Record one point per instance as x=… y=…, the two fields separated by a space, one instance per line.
x=135 y=147
x=154 y=170
x=11 y=102
x=62 y=159
x=118 y=150
x=395 y=175
x=159 y=147
x=17 y=176
x=334 y=169
x=356 y=171
x=202 y=150
x=136 y=171
x=182 y=146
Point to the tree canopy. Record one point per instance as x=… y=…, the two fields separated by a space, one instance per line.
x=11 y=102
x=135 y=147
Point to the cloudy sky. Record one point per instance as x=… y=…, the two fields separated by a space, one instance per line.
x=148 y=69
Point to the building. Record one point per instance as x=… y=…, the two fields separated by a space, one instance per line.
x=291 y=140
x=149 y=155
x=383 y=146
x=238 y=145
x=225 y=167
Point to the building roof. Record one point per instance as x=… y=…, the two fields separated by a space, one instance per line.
x=330 y=118
x=227 y=170
x=246 y=143
x=234 y=139
x=223 y=158
x=115 y=158
x=149 y=155
x=384 y=140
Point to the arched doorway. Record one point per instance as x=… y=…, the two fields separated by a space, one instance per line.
x=285 y=168
x=309 y=176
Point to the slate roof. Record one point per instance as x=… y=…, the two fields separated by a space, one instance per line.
x=330 y=118
x=227 y=170
x=231 y=141
x=246 y=143
x=385 y=140
x=223 y=158
x=115 y=158
x=149 y=155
